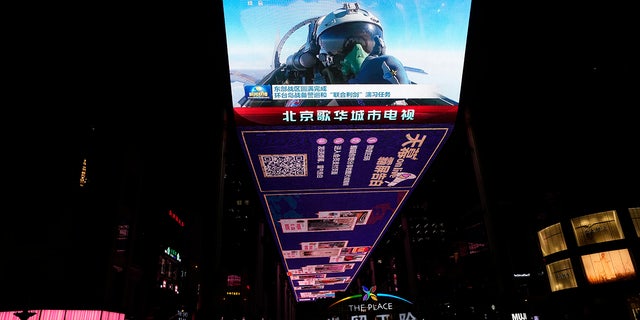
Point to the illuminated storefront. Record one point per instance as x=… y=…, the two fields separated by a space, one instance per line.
x=603 y=254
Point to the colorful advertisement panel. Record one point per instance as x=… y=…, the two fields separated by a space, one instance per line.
x=340 y=108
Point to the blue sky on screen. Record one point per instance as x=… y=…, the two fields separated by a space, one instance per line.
x=429 y=35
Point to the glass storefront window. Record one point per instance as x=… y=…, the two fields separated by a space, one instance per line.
x=596 y=228
x=561 y=275
x=551 y=240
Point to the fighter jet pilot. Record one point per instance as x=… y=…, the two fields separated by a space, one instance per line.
x=350 y=40
x=346 y=46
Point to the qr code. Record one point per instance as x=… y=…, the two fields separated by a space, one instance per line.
x=283 y=165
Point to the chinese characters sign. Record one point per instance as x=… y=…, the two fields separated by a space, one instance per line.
x=331 y=190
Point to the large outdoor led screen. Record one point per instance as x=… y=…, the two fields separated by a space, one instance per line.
x=340 y=108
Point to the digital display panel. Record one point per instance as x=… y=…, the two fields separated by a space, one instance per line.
x=340 y=108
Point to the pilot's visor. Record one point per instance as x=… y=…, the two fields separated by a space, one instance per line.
x=340 y=39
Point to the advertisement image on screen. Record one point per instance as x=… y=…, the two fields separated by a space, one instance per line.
x=608 y=266
x=301 y=53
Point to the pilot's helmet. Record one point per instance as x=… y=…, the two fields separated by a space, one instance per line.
x=340 y=30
